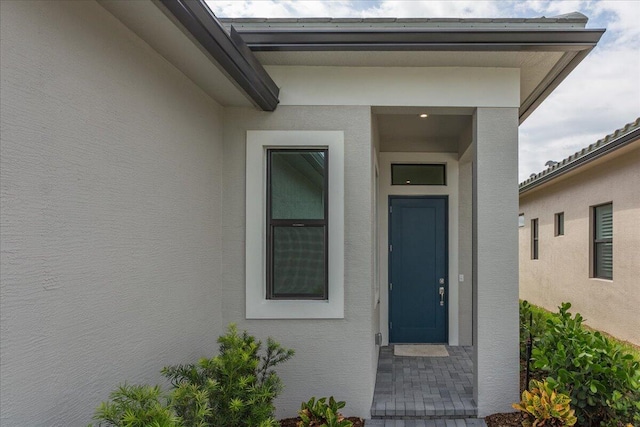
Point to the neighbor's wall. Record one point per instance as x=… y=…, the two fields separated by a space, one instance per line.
x=333 y=356
x=111 y=203
x=562 y=271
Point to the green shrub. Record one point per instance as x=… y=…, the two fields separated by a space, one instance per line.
x=533 y=320
x=239 y=383
x=235 y=388
x=545 y=406
x=137 y=406
x=319 y=413
x=601 y=378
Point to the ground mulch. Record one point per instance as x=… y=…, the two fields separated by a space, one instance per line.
x=293 y=422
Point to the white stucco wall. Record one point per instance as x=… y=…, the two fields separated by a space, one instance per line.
x=495 y=259
x=398 y=86
x=465 y=247
x=111 y=187
x=562 y=272
x=333 y=356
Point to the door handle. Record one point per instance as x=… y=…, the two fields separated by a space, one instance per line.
x=441 y=291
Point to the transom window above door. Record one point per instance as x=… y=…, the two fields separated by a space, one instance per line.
x=418 y=174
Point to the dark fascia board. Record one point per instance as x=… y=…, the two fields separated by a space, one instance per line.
x=589 y=157
x=442 y=39
x=230 y=51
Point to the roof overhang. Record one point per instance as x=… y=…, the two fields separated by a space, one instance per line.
x=189 y=36
x=564 y=40
x=580 y=159
x=228 y=50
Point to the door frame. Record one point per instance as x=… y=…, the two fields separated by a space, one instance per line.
x=456 y=242
x=444 y=197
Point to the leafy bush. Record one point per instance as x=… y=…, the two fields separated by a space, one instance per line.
x=545 y=406
x=235 y=388
x=601 y=378
x=533 y=321
x=239 y=383
x=137 y=406
x=318 y=413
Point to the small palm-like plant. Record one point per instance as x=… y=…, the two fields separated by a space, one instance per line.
x=543 y=406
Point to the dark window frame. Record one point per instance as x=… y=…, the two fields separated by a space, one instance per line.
x=595 y=242
x=558 y=221
x=535 y=242
x=440 y=165
x=297 y=222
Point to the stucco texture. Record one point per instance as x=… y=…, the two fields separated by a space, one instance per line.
x=331 y=354
x=562 y=272
x=111 y=187
x=495 y=259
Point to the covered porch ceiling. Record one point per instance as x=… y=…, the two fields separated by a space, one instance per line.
x=402 y=129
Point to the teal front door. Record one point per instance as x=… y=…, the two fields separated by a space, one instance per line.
x=418 y=269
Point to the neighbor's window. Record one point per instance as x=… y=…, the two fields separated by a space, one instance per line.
x=521 y=220
x=418 y=174
x=559 y=224
x=534 y=238
x=603 y=241
x=297 y=233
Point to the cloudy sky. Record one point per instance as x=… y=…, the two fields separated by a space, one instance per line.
x=600 y=96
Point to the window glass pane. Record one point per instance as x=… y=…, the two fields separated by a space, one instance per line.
x=418 y=175
x=604 y=260
x=534 y=238
x=559 y=224
x=297 y=184
x=604 y=222
x=299 y=261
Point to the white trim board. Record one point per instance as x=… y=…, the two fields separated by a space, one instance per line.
x=257 y=306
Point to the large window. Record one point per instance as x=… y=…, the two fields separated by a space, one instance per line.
x=603 y=241
x=297 y=232
x=294 y=242
x=534 y=238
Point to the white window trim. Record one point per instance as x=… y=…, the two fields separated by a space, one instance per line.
x=257 y=305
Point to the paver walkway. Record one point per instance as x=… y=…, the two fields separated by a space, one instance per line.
x=424 y=391
x=468 y=422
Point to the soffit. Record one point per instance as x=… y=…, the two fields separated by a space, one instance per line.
x=165 y=36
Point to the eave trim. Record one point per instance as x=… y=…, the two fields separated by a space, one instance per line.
x=580 y=161
x=229 y=51
x=310 y=39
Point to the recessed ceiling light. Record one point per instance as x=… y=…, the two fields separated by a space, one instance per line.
x=424 y=115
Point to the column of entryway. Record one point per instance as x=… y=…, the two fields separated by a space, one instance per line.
x=495 y=256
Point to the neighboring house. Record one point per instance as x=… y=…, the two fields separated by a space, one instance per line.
x=162 y=177
x=580 y=234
